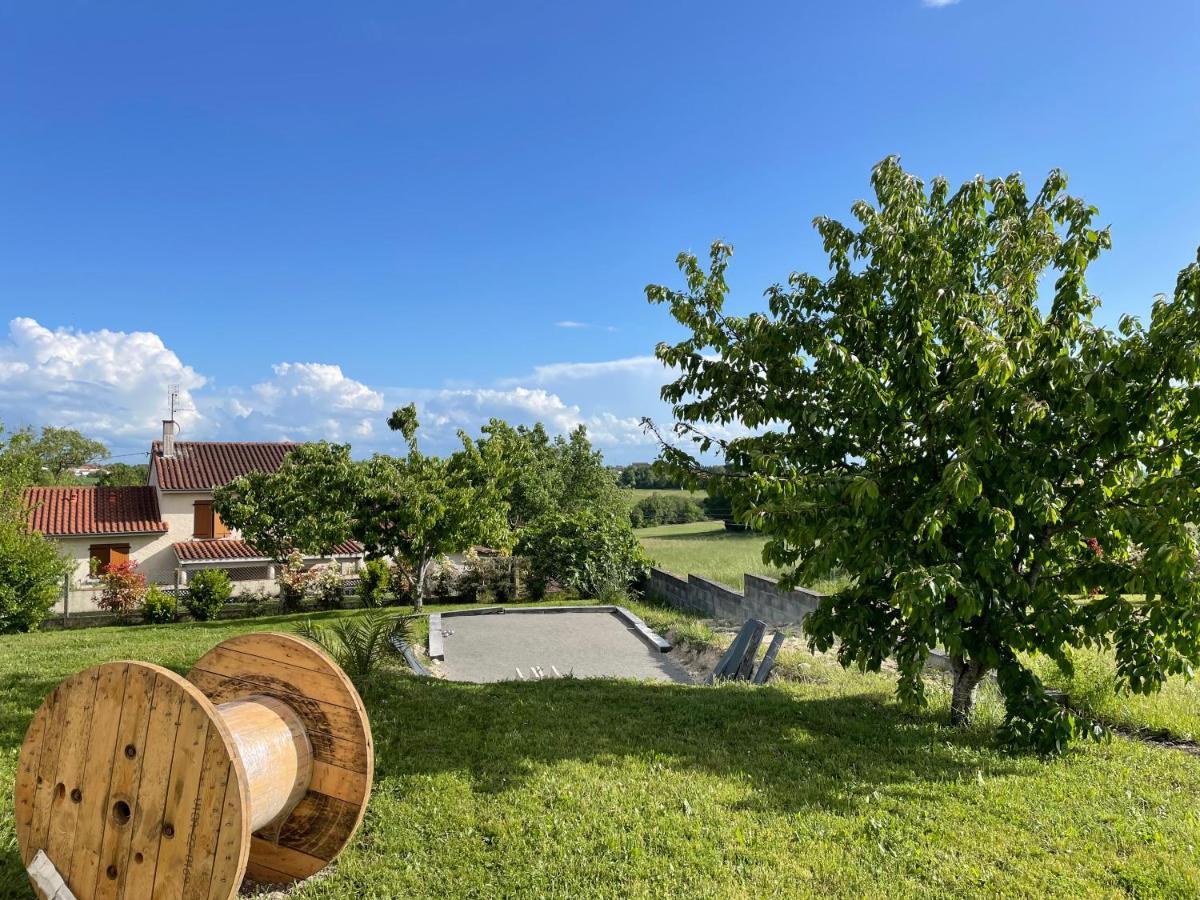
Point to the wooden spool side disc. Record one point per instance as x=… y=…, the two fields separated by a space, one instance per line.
x=130 y=783
x=314 y=686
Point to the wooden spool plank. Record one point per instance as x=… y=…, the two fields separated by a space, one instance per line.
x=97 y=775
x=124 y=778
x=311 y=684
x=64 y=812
x=181 y=814
x=27 y=770
x=207 y=833
x=45 y=783
x=138 y=872
x=323 y=687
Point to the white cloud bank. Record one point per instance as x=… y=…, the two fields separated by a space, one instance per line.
x=113 y=385
x=937 y=4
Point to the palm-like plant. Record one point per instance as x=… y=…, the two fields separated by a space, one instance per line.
x=358 y=643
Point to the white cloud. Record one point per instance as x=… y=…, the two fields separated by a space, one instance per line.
x=303 y=401
x=111 y=384
x=937 y=4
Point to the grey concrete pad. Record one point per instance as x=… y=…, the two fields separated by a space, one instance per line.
x=586 y=644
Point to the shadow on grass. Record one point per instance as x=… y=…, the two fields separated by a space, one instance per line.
x=831 y=752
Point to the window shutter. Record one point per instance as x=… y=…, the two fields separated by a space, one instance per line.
x=118 y=553
x=100 y=553
x=202 y=519
x=219 y=529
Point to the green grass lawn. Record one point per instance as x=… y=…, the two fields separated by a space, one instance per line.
x=636 y=494
x=1172 y=714
x=707 y=549
x=817 y=787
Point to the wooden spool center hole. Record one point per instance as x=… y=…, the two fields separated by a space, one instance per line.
x=120 y=812
x=275 y=752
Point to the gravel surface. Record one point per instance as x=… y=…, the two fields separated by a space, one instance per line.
x=488 y=648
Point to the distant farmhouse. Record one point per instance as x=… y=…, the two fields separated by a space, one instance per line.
x=168 y=526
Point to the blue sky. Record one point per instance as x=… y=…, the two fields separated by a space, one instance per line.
x=310 y=213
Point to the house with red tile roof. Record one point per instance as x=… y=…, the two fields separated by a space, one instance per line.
x=168 y=526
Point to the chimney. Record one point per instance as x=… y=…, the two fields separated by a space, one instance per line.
x=168 y=441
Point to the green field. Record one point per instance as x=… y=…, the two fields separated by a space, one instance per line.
x=814 y=788
x=707 y=549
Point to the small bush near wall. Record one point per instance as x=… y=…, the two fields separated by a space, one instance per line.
x=373 y=582
x=326 y=586
x=208 y=592
x=123 y=588
x=158 y=606
x=293 y=582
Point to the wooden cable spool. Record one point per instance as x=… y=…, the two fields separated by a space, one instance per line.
x=138 y=783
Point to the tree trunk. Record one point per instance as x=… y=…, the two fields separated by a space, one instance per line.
x=419 y=590
x=967 y=675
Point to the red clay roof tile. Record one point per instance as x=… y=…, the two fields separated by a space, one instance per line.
x=68 y=511
x=204 y=465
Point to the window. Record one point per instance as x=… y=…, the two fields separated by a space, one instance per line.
x=106 y=555
x=205 y=521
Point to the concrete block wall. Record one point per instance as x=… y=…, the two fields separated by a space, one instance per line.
x=762 y=598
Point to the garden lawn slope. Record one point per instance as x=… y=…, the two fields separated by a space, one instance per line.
x=614 y=789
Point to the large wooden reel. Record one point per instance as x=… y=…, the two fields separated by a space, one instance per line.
x=138 y=783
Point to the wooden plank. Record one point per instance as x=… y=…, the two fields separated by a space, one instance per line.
x=293 y=863
x=337 y=782
x=181 y=814
x=203 y=840
x=152 y=789
x=317 y=826
x=27 y=771
x=64 y=811
x=46 y=781
x=96 y=777
x=746 y=665
x=124 y=779
x=319 y=686
x=768 y=663
x=268 y=646
x=233 y=844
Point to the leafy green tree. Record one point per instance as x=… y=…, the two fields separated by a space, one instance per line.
x=418 y=508
x=999 y=474
x=538 y=475
x=60 y=449
x=123 y=475
x=32 y=568
x=307 y=504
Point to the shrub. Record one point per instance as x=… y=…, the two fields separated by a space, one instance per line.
x=584 y=551
x=493 y=577
x=373 y=582
x=256 y=601
x=122 y=588
x=208 y=592
x=32 y=571
x=325 y=586
x=359 y=643
x=158 y=606
x=293 y=581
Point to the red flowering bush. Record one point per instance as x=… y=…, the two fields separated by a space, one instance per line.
x=122 y=588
